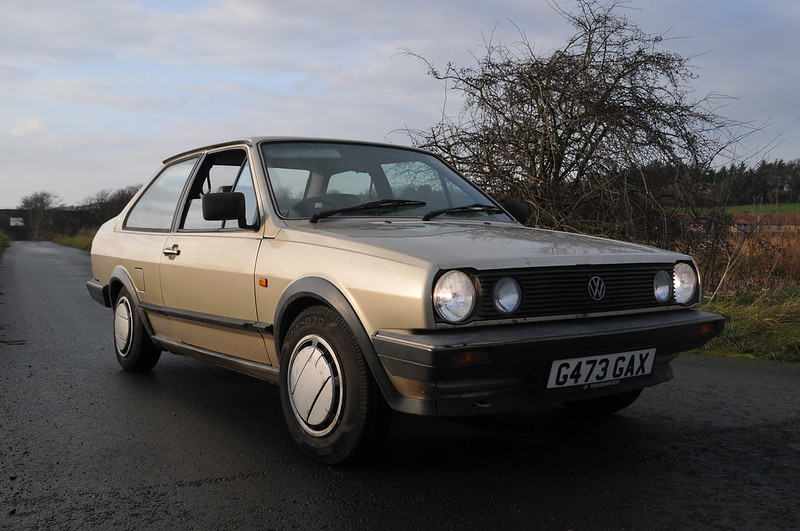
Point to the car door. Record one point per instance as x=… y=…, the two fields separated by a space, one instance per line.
x=146 y=228
x=207 y=267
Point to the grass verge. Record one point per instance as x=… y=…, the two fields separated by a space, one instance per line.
x=81 y=241
x=762 y=325
x=3 y=242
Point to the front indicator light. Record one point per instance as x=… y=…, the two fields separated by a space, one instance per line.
x=469 y=356
x=706 y=329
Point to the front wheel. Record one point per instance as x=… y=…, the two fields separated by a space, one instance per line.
x=332 y=405
x=135 y=352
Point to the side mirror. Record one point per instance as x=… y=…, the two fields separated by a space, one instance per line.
x=518 y=210
x=225 y=206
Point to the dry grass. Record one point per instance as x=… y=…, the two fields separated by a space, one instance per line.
x=755 y=262
x=758 y=291
x=82 y=240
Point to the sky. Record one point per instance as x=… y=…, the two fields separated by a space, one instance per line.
x=94 y=94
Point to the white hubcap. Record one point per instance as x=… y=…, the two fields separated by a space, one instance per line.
x=122 y=326
x=315 y=385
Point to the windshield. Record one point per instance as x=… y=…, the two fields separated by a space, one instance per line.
x=319 y=180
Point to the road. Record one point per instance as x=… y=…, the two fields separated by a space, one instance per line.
x=192 y=446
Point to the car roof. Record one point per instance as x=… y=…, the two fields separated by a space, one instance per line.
x=254 y=140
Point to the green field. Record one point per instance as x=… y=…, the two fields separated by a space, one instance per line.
x=786 y=208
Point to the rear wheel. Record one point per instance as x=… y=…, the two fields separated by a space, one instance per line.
x=604 y=405
x=332 y=405
x=135 y=352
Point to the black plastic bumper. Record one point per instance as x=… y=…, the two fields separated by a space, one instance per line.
x=498 y=368
x=99 y=292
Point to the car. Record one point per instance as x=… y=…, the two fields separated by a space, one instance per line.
x=366 y=278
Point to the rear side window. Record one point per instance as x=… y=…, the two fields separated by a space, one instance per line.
x=155 y=209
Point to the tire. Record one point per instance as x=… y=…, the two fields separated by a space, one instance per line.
x=332 y=405
x=605 y=405
x=135 y=352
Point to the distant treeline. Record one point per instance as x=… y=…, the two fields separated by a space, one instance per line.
x=768 y=183
x=44 y=217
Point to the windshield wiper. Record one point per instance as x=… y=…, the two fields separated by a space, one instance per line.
x=373 y=205
x=475 y=207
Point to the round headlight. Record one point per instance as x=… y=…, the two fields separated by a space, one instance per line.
x=507 y=295
x=661 y=286
x=685 y=283
x=454 y=296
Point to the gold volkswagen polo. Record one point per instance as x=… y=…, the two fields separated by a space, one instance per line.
x=364 y=278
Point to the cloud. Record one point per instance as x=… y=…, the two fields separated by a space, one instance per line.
x=29 y=127
x=52 y=32
x=117 y=86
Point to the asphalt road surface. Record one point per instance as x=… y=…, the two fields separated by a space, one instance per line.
x=193 y=446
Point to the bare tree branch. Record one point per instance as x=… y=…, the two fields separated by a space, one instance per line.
x=603 y=135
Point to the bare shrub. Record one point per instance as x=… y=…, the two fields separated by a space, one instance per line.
x=601 y=136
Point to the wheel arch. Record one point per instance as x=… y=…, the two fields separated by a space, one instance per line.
x=312 y=291
x=121 y=279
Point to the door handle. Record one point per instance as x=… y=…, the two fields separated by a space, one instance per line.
x=172 y=251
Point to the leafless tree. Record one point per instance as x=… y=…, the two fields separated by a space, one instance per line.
x=38 y=208
x=106 y=204
x=575 y=132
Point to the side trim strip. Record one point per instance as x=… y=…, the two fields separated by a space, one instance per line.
x=227 y=322
x=250 y=368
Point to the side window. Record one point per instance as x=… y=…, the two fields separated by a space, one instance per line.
x=224 y=171
x=156 y=207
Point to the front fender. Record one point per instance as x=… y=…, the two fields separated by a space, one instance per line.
x=310 y=291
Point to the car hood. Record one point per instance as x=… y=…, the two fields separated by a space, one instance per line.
x=465 y=244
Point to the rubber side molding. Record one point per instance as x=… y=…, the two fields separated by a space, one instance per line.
x=226 y=322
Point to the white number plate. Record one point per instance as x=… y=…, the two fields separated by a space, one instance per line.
x=599 y=371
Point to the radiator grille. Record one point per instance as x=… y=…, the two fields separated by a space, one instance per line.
x=552 y=291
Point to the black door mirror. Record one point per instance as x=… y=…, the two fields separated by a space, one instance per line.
x=225 y=206
x=518 y=210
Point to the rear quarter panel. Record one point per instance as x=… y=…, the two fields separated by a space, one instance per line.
x=138 y=253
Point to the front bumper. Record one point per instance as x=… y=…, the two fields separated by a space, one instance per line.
x=499 y=368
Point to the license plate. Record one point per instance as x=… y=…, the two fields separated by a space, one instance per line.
x=602 y=370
